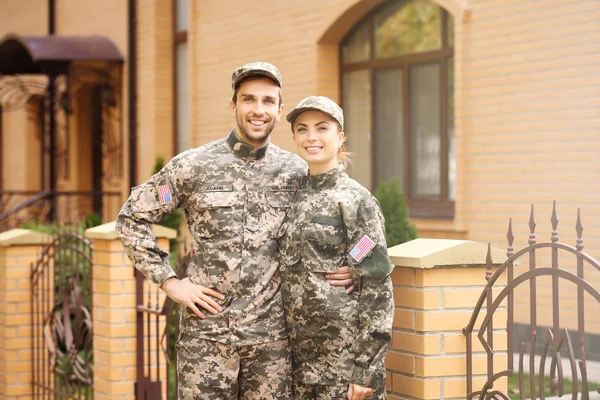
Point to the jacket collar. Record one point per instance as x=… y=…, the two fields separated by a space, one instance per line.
x=324 y=181
x=243 y=149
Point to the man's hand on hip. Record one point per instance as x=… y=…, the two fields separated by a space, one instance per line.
x=191 y=295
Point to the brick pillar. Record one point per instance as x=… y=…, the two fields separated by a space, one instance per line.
x=19 y=248
x=437 y=283
x=114 y=313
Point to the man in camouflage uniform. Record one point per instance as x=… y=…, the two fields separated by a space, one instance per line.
x=235 y=193
x=338 y=341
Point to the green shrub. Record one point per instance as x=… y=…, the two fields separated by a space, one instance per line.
x=49 y=229
x=398 y=227
x=91 y=220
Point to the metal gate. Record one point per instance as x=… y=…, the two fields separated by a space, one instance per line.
x=61 y=318
x=556 y=341
x=157 y=331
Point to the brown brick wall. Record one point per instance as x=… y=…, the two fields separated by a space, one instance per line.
x=527 y=104
x=529 y=89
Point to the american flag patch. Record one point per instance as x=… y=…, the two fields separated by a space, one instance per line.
x=362 y=248
x=164 y=194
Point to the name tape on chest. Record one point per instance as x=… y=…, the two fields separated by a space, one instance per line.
x=164 y=194
x=362 y=248
x=218 y=188
x=282 y=188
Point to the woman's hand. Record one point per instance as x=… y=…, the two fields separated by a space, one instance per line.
x=357 y=392
x=343 y=277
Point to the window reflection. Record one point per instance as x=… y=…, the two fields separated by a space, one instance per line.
x=398 y=95
x=389 y=125
x=425 y=137
x=357 y=46
x=450 y=31
x=356 y=90
x=407 y=27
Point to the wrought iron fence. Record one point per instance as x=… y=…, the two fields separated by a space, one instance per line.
x=557 y=340
x=61 y=318
x=157 y=331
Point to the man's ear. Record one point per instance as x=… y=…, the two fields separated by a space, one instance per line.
x=232 y=107
x=280 y=112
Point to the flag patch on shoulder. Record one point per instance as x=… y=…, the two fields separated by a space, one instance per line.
x=362 y=248
x=164 y=194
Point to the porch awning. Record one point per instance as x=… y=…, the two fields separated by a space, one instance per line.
x=39 y=54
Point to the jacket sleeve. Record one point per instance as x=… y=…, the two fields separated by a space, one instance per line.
x=376 y=304
x=147 y=205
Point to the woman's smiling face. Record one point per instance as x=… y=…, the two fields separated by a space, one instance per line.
x=318 y=140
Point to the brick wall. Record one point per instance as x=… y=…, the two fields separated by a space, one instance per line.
x=115 y=315
x=529 y=92
x=437 y=284
x=526 y=95
x=18 y=250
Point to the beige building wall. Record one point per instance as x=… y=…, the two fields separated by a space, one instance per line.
x=530 y=92
x=527 y=99
x=21 y=149
x=155 y=84
x=527 y=107
x=154 y=61
x=24 y=18
x=305 y=49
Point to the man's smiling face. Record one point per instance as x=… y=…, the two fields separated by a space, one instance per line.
x=256 y=110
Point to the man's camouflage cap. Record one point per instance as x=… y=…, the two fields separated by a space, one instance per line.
x=318 y=103
x=259 y=68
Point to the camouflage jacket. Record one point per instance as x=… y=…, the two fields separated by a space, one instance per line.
x=336 y=337
x=235 y=198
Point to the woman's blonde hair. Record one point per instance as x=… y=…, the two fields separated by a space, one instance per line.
x=343 y=155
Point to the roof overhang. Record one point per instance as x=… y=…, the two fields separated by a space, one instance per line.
x=43 y=54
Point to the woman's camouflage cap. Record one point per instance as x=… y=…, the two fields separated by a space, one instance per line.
x=318 y=103
x=258 y=68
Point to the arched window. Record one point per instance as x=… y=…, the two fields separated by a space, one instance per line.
x=397 y=92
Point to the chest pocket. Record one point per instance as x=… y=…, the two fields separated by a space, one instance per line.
x=278 y=202
x=219 y=212
x=322 y=244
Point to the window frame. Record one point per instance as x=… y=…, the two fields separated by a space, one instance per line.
x=422 y=206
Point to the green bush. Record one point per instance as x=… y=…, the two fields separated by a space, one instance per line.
x=91 y=220
x=51 y=228
x=398 y=227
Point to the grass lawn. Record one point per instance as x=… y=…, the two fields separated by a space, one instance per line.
x=513 y=386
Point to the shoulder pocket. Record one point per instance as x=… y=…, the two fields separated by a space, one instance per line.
x=144 y=198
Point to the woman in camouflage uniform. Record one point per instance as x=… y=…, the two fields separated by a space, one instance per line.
x=338 y=339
